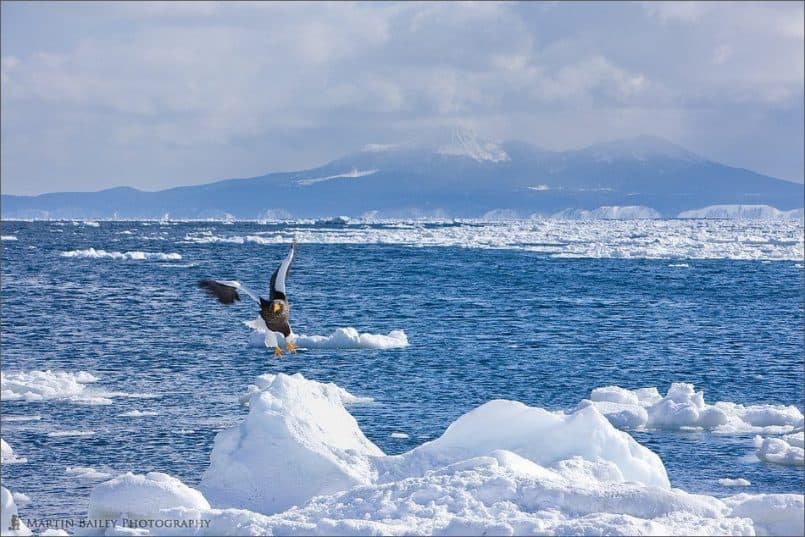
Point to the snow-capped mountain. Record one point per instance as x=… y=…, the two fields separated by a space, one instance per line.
x=467 y=177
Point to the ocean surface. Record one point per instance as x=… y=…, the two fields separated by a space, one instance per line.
x=541 y=312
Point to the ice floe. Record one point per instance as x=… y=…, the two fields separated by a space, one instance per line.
x=684 y=407
x=787 y=449
x=70 y=433
x=739 y=482
x=341 y=338
x=86 y=472
x=640 y=238
x=299 y=464
x=136 y=413
x=8 y=237
x=56 y=385
x=8 y=511
x=745 y=212
x=7 y=455
x=92 y=253
x=21 y=499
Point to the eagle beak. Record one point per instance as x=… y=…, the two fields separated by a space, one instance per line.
x=277 y=308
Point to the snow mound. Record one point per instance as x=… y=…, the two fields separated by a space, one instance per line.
x=8 y=510
x=536 y=434
x=297 y=441
x=628 y=212
x=743 y=212
x=7 y=455
x=683 y=407
x=341 y=338
x=772 y=514
x=56 y=385
x=503 y=468
x=264 y=382
x=140 y=497
x=92 y=253
x=787 y=450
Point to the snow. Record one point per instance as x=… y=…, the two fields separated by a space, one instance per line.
x=678 y=240
x=684 y=407
x=8 y=509
x=21 y=499
x=297 y=441
x=739 y=482
x=787 y=450
x=299 y=465
x=341 y=338
x=466 y=144
x=353 y=174
x=56 y=385
x=92 y=253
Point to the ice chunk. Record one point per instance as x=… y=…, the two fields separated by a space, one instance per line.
x=85 y=472
x=772 y=514
x=58 y=385
x=8 y=513
x=297 y=441
x=739 y=482
x=7 y=455
x=341 y=338
x=92 y=253
x=787 y=450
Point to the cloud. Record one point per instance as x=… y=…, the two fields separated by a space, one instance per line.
x=236 y=89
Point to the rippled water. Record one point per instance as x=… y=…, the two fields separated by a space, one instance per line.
x=485 y=320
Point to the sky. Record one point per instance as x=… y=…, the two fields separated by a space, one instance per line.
x=155 y=95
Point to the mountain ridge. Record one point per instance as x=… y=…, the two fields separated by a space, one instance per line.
x=467 y=177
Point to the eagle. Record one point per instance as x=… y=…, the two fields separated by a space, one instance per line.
x=273 y=311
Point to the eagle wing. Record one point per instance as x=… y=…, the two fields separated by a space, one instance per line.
x=277 y=285
x=226 y=291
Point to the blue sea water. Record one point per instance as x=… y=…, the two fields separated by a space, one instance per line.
x=482 y=324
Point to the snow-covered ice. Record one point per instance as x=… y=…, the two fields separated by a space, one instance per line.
x=684 y=407
x=637 y=238
x=744 y=212
x=7 y=455
x=787 y=449
x=86 y=472
x=738 y=482
x=56 y=385
x=8 y=237
x=341 y=338
x=136 y=256
x=299 y=464
x=8 y=510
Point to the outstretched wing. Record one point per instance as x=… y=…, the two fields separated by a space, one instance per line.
x=226 y=291
x=277 y=287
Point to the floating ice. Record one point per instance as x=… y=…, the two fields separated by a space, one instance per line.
x=137 y=414
x=69 y=433
x=399 y=435
x=503 y=468
x=641 y=238
x=85 y=472
x=744 y=212
x=8 y=510
x=629 y=212
x=264 y=382
x=8 y=237
x=136 y=256
x=683 y=407
x=7 y=455
x=16 y=418
x=58 y=385
x=787 y=450
x=739 y=482
x=21 y=499
x=341 y=338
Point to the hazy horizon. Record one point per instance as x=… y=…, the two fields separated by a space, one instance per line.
x=158 y=95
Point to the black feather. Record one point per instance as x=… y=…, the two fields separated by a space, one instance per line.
x=226 y=294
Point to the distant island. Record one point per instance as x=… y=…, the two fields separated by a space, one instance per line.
x=642 y=177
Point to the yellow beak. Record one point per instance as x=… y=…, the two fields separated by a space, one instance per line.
x=277 y=308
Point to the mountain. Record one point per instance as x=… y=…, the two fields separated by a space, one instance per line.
x=466 y=177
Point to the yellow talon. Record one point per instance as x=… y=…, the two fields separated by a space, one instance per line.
x=290 y=346
x=277 y=352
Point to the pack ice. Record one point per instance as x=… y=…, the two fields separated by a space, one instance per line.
x=299 y=464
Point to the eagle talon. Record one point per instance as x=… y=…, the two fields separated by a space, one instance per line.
x=277 y=352
x=290 y=346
